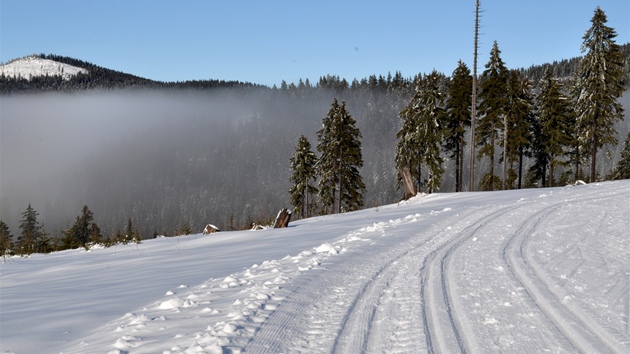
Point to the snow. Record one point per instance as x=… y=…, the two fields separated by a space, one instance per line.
x=538 y=270
x=32 y=66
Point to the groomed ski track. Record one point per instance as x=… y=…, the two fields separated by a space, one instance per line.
x=529 y=271
x=430 y=292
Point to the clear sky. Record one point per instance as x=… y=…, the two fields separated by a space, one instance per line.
x=268 y=41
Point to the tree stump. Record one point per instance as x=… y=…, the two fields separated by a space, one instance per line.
x=282 y=220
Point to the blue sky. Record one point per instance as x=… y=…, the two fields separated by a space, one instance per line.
x=269 y=41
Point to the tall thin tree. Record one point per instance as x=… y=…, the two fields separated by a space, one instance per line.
x=555 y=117
x=520 y=117
x=493 y=108
x=303 y=165
x=473 y=109
x=458 y=118
x=598 y=85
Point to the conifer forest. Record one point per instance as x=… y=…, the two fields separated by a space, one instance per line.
x=169 y=158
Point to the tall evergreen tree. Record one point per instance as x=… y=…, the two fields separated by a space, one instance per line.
x=303 y=165
x=408 y=147
x=421 y=136
x=623 y=167
x=519 y=117
x=341 y=186
x=31 y=231
x=6 y=239
x=554 y=117
x=598 y=85
x=458 y=118
x=492 y=110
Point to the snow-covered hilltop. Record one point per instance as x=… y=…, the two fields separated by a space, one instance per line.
x=33 y=66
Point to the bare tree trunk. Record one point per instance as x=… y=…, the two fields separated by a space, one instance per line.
x=520 y=167
x=410 y=191
x=458 y=171
x=305 y=200
x=337 y=202
x=505 y=137
x=594 y=153
x=473 y=111
x=491 y=181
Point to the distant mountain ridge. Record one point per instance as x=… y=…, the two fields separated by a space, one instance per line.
x=60 y=73
x=41 y=72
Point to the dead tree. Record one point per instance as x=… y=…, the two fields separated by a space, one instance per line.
x=473 y=108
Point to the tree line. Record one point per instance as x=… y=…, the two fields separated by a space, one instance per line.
x=230 y=167
x=559 y=129
x=85 y=233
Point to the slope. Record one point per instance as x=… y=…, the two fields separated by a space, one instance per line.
x=519 y=271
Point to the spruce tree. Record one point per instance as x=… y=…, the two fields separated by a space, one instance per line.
x=303 y=165
x=408 y=149
x=598 y=85
x=556 y=130
x=82 y=229
x=6 y=239
x=492 y=111
x=31 y=231
x=421 y=137
x=623 y=167
x=519 y=117
x=341 y=186
x=458 y=118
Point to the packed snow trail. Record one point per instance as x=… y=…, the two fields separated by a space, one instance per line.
x=467 y=284
x=519 y=271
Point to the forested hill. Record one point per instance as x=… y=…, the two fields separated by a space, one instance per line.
x=172 y=159
x=97 y=77
x=565 y=68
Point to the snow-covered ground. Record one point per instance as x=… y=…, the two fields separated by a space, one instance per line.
x=32 y=66
x=529 y=271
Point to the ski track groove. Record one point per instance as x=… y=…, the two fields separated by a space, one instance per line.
x=355 y=320
x=443 y=332
x=352 y=309
x=581 y=331
x=355 y=325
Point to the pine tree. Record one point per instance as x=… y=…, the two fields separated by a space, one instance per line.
x=421 y=136
x=556 y=131
x=341 y=186
x=31 y=231
x=458 y=118
x=519 y=117
x=492 y=109
x=623 y=168
x=6 y=239
x=82 y=229
x=408 y=149
x=303 y=166
x=598 y=85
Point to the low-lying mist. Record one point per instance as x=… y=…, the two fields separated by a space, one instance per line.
x=166 y=159
x=174 y=159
